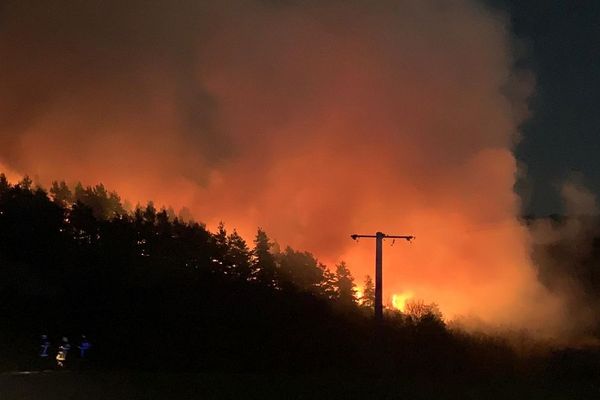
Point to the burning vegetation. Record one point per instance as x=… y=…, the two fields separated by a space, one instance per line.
x=310 y=119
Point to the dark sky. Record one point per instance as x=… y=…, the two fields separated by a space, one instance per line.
x=562 y=137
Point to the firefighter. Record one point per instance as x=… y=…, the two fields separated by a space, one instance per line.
x=84 y=346
x=44 y=359
x=44 y=347
x=63 y=351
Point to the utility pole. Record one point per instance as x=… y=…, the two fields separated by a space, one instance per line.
x=379 y=236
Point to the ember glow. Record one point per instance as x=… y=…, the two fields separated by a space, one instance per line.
x=313 y=120
x=359 y=293
x=399 y=300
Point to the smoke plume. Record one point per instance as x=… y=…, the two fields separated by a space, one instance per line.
x=565 y=251
x=311 y=119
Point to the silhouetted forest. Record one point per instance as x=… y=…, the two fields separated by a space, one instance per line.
x=154 y=292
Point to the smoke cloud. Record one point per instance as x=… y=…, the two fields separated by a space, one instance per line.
x=565 y=252
x=311 y=119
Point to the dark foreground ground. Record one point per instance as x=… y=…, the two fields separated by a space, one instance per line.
x=96 y=385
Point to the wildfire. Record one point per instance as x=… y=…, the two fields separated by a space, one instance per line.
x=12 y=176
x=358 y=293
x=399 y=300
x=217 y=132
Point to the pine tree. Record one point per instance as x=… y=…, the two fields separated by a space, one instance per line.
x=61 y=194
x=150 y=214
x=327 y=288
x=220 y=241
x=299 y=269
x=163 y=225
x=80 y=193
x=25 y=183
x=4 y=185
x=368 y=297
x=344 y=284
x=238 y=256
x=115 y=207
x=264 y=261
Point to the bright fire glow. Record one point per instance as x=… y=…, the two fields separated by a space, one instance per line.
x=359 y=293
x=313 y=120
x=399 y=300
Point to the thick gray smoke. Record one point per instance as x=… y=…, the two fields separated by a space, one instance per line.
x=565 y=250
x=312 y=119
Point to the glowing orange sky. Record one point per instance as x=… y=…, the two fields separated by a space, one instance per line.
x=312 y=121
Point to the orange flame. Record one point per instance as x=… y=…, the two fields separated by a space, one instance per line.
x=399 y=300
x=313 y=122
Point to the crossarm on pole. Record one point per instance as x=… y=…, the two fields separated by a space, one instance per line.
x=406 y=237
x=355 y=236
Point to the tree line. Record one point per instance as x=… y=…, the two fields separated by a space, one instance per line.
x=153 y=290
x=87 y=211
x=77 y=260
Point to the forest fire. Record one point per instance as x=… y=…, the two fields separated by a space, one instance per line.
x=299 y=199
x=399 y=300
x=303 y=120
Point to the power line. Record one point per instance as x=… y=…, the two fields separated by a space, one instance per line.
x=379 y=236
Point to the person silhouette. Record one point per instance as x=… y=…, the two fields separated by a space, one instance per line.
x=44 y=347
x=63 y=351
x=84 y=346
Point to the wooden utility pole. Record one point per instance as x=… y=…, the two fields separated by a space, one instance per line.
x=379 y=236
